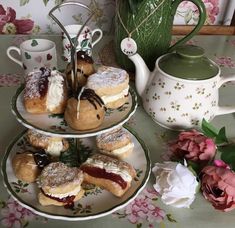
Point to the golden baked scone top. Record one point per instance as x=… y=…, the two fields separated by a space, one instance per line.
x=58 y=174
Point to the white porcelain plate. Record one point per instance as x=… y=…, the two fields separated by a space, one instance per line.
x=54 y=125
x=96 y=202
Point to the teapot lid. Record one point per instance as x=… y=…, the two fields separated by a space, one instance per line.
x=188 y=62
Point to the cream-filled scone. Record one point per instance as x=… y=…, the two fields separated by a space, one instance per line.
x=115 y=143
x=45 y=91
x=86 y=113
x=85 y=67
x=111 y=84
x=110 y=173
x=60 y=185
x=52 y=145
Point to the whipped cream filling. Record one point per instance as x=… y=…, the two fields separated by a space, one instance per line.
x=54 y=147
x=55 y=90
x=123 y=149
x=111 y=168
x=72 y=193
x=112 y=98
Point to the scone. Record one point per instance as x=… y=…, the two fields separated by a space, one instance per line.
x=52 y=145
x=111 y=84
x=60 y=185
x=110 y=173
x=85 y=67
x=27 y=166
x=45 y=91
x=86 y=114
x=116 y=143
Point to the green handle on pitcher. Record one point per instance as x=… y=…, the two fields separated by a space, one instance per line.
x=201 y=21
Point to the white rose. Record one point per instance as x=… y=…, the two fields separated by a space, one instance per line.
x=176 y=184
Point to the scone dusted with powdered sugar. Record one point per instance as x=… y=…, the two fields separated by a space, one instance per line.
x=60 y=185
x=45 y=91
x=52 y=145
x=111 y=84
x=110 y=173
x=116 y=143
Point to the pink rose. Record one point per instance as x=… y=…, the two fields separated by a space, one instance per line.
x=10 y=25
x=192 y=146
x=218 y=186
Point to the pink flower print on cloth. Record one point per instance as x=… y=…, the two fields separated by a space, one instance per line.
x=225 y=61
x=192 y=14
x=143 y=209
x=10 y=80
x=10 y=25
x=14 y=215
x=232 y=42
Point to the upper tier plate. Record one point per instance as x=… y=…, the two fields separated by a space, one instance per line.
x=54 y=125
x=96 y=202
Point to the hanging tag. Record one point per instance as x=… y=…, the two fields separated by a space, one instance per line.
x=128 y=46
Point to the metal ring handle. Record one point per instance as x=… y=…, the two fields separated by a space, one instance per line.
x=74 y=84
x=62 y=27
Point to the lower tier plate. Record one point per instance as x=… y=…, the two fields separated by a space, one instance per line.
x=96 y=202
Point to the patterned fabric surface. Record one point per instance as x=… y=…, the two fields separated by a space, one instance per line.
x=22 y=17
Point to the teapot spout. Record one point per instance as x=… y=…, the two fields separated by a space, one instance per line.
x=142 y=73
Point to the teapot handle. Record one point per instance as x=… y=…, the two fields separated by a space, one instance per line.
x=225 y=109
x=201 y=21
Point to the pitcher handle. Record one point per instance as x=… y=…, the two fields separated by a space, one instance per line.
x=225 y=109
x=202 y=17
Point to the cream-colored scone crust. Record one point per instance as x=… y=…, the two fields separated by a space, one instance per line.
x=88 y=117
x=25 y=168
x=109 y=81
x=113 y=140
x=52 y=145
x=59 y=179
x=84 y=70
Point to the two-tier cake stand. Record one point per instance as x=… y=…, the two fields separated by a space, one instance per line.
x=97 y=202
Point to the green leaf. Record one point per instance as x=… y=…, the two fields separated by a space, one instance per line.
x=70 y=156
x=194 y=167
x=59 y=116
x=84 y=43
x=2 y=204
x=228 y=154
x=170 y=218
x=45 y=2
x=23 y=2
x=57 y=2
x=221 y=137
x=208 y=129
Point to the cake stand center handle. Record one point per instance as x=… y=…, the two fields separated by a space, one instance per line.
x=74 y=84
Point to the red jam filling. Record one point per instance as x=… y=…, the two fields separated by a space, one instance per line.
x=68 y=200
x=101 y=173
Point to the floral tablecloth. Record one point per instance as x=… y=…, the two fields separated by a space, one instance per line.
x=146 y=210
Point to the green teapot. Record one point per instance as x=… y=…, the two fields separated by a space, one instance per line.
x=150 y=24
